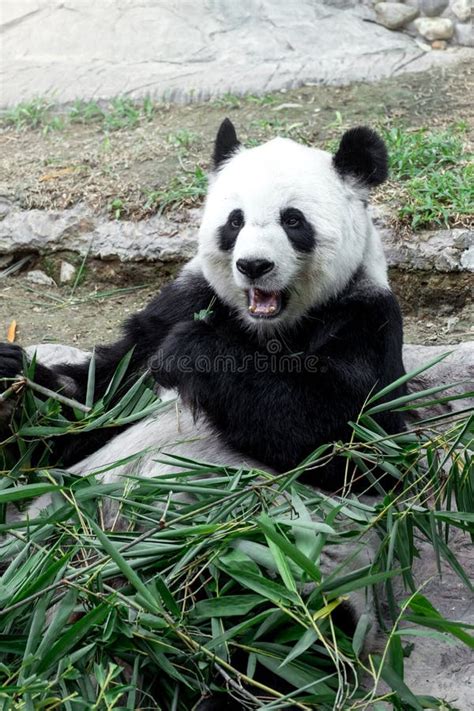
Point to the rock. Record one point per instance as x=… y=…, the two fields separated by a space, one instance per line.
x=467 y=259
x=394 y=15
x=464 y=34
x=439 y=44
x=459 y=366
x=67 y=272
x=36 y=276
x=163 y=238
x=432 y=8
x=434 y=28
x=430 y=250
x=50 y=354
x=183 y=50
x=462 y=9
x=424 y=46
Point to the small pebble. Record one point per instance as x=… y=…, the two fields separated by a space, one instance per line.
x=36 y=276
x=67 y=272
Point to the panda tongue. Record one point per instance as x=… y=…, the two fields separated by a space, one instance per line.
x=263 y=302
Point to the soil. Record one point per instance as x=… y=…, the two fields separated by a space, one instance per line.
x=55 y=169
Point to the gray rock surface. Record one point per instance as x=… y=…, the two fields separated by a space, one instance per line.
x=173 y=238
x=444 y=670
x=394 y=15
x=167 y=239
x=464 y=34
x=431 y=8
x=439 y=250
x=462 y=9
x=39 y=278
x=434 y=28
x=458 y=366
x=192 y=49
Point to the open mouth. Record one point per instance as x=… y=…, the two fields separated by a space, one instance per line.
x=264 y=304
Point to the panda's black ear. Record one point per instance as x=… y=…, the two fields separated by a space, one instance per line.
x=226 y=142
x=362 y=154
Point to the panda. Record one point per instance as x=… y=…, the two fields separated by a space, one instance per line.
x=301 y=323
x=271 y=338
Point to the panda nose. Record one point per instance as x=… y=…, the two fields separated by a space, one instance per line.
x=254 y=268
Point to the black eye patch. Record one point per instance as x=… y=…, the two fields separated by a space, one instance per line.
x=298 y=230
x=228 y=233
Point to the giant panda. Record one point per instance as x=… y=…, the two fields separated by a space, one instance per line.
x=302 y=324
x=299 y=324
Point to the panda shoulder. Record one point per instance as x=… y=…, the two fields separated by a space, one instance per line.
x=185 y=296
x=372 y=308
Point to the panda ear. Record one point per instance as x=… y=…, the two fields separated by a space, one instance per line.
x=226 y=142
x=362 y=155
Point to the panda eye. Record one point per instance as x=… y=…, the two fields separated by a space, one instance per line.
x=236 y=219
x=292 y=218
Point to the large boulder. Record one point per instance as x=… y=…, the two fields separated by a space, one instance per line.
x=458 y=366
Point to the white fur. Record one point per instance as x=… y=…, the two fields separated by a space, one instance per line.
x=263 y=181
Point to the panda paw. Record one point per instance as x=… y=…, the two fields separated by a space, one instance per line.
x=176 y=360
x=11 y=361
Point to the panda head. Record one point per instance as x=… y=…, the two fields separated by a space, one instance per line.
x=286 y=227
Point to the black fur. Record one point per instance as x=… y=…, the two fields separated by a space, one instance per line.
x=229 y=232
x=226 y=143
x=11 y=360
x=282 y=414
x=298 y=230
x=362 y=155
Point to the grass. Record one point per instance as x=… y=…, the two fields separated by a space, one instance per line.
x=40 y=113
x=183 y=191
x=435 y=175
x=207 y=594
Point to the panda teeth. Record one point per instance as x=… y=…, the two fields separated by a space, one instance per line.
x=263 y=304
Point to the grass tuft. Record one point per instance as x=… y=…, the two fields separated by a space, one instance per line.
x=184 y=190
x=34 y=114
x=435 y=175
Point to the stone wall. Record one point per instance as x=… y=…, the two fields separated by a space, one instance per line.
x=437 y=22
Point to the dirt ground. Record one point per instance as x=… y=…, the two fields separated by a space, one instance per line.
x=86 y=162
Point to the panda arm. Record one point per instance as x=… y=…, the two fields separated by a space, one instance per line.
x=281 y=417
x=143 y=333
